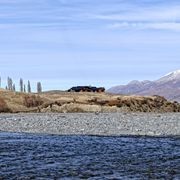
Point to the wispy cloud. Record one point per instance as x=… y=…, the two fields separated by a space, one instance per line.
x=164 y=17
x=147 y=14
x=146 y=25
x=80 y=14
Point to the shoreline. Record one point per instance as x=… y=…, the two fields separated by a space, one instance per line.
x=90 y=135
x=91 y=124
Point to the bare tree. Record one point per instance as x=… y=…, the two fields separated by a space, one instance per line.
x=14 y=87
x=29 y=87
x=9 y=84
x=39 y=87
x=24 y=90
x=21 y=84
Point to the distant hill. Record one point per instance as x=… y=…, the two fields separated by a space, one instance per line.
x=53 y=92
x=167 y=86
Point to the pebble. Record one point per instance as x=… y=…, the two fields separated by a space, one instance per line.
x=105 y=124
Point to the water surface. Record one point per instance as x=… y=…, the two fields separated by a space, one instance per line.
x=29 y=156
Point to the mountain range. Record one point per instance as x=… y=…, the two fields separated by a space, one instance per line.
x=167 y=86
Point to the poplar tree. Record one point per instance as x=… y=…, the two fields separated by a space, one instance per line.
x=29 y=87
x=24 y=90
x=9 y=84
x=21 y=84
x=14 y=87
x=39 y=87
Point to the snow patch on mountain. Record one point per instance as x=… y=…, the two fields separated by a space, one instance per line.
x=167 y=86
x=170 y=76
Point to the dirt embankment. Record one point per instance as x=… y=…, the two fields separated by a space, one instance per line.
x=82 y=102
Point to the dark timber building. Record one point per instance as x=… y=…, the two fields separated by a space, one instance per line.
x=86 y=89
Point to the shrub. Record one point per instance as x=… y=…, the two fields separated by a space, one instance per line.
x=3 y=106
x=32 y=101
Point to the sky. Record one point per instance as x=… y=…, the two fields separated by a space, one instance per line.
x=64 y=43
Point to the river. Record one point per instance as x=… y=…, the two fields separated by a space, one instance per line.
x=32 y=156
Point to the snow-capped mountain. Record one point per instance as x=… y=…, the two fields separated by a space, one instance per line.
x=167 y=86
x=172 y=76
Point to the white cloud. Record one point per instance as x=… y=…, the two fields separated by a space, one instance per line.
x=171 y=13
x=166 y=26
x=160 y=18
x=148 y=25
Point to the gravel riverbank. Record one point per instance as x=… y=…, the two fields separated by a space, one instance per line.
x=105 y=124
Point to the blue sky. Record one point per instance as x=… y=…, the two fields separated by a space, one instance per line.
x=63 y=43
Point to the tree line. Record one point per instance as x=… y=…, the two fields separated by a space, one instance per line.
x=22 y=86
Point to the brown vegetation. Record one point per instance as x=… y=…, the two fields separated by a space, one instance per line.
x=3 y=106
x=32 y=101
x=83 y=102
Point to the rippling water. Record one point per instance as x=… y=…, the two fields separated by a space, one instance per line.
x=27 y=156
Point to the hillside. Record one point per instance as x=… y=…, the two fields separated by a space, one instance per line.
x=65 y=102
x=167 y=86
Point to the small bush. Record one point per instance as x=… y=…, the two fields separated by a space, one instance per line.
x=3 y=106
x=32 y=101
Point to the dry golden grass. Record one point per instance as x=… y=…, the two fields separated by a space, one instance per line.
x=24 y=102
x=3 y=106
x=32 y=101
